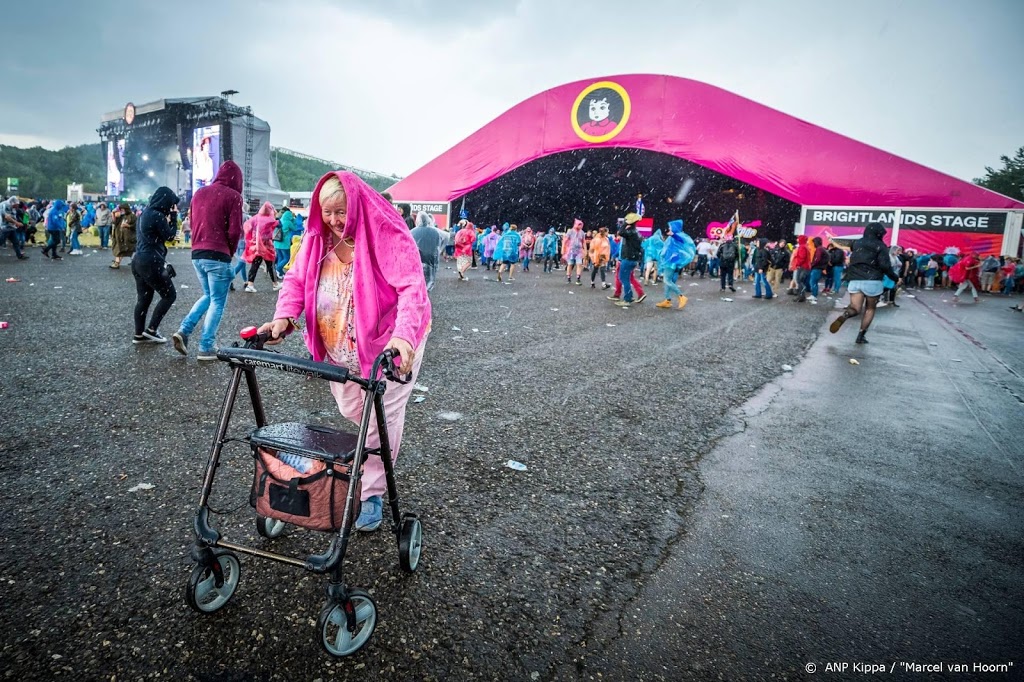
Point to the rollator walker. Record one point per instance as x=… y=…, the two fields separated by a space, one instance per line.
x=306 y=475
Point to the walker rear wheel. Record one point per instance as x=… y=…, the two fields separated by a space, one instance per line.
x=332 y=624
x=410 y=544
x=269 y=528
x=203 y=593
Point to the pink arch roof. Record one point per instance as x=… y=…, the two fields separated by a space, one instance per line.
x=732 y=135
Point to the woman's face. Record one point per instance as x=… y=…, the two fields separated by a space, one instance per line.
x=333 y=211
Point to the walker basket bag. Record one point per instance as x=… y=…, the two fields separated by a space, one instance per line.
x=300 y=481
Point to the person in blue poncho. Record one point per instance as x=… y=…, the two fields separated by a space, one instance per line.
x=56 y=225
x=549 y=249
x=678 y=251
x=282 y=247
x=506 y=251
x=652 y=252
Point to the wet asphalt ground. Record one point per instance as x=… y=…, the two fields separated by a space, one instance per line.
x=525 y=574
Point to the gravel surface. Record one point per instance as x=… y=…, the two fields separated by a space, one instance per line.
x=609 y=409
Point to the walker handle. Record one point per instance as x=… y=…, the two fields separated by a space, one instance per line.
x=390 y=370
x=253 y=338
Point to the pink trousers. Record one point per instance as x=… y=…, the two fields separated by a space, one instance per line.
x=350 y=397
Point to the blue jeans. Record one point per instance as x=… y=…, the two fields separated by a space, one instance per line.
x=815 y=277
x=104 y=236
x=625 y=274
x=283 y=256
x=214 y=279
x=240 y=268
x=759 y=280
x=837 y=277
x=75 y=246
x=526 y=263
x=671 y=288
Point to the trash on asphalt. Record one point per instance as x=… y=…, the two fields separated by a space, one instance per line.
x=450 y=416
x=517 y=466
x=4 y=325
x=932 y=343
x=787 y=368
x=554 y=310
x=853 y=361
x=12 y=280
x=421 y=388
x=609 y=324
x=141 y=486
x=910 y=296
x=458 y=338
x=727 y=300
x=474 y=330
x=58 y=287
x=419 y=399
x=456 y=329
x=184 y=286
x=957 y=360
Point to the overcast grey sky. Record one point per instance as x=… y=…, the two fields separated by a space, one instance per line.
x=390 y=84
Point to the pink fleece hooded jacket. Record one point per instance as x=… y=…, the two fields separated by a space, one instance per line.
x=389 y=289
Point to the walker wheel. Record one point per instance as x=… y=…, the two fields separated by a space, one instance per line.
x=332 y=624
x=202 y=592
x=410 y=543
x=269 y=528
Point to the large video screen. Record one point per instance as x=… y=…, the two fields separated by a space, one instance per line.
x=205 y=155
x=115 y=178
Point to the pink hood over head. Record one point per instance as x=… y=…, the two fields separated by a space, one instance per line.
x=390 y=292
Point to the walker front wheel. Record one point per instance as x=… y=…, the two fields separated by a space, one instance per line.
x=335 y=637
x=410 y=543
x=210 y=587
x=269 y=528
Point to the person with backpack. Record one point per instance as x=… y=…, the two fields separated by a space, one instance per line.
x=727 y=254
x=762 y=263
x=965 y=273
x=778 y=259
x=989 y=270
x=869 y=263
x=837 y=259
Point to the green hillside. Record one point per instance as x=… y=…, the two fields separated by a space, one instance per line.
x=43 y=173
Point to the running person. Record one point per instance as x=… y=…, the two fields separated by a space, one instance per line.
x=869 y=263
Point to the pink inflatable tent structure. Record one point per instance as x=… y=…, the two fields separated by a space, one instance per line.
x=814 y=168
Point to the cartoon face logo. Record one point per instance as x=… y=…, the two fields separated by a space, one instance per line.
x=129 y=113
x=600 y=111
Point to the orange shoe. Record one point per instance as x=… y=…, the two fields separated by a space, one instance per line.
x=682 y=302
x=667 y=303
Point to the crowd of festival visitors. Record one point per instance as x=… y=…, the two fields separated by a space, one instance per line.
x=619 y=257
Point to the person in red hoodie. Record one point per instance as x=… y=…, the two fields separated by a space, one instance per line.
x=800 y=265
x=216 y=213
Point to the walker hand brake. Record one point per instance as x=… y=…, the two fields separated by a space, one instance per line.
x=391 y=369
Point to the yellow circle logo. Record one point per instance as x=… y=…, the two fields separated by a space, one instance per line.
x=600 y=112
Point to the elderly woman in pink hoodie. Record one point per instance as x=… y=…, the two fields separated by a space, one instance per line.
x=259 y=245
x=359 y=281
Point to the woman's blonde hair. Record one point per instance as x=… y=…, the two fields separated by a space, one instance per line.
x=330 y=188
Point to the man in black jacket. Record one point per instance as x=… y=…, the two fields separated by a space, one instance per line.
x=869 y=262
x=727 y=262
x=631 y=254
x=149 y=265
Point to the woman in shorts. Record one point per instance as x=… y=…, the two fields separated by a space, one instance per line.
x=869 y=263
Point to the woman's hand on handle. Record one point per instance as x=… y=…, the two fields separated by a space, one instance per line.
x=277 y=329
x=403 y=348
